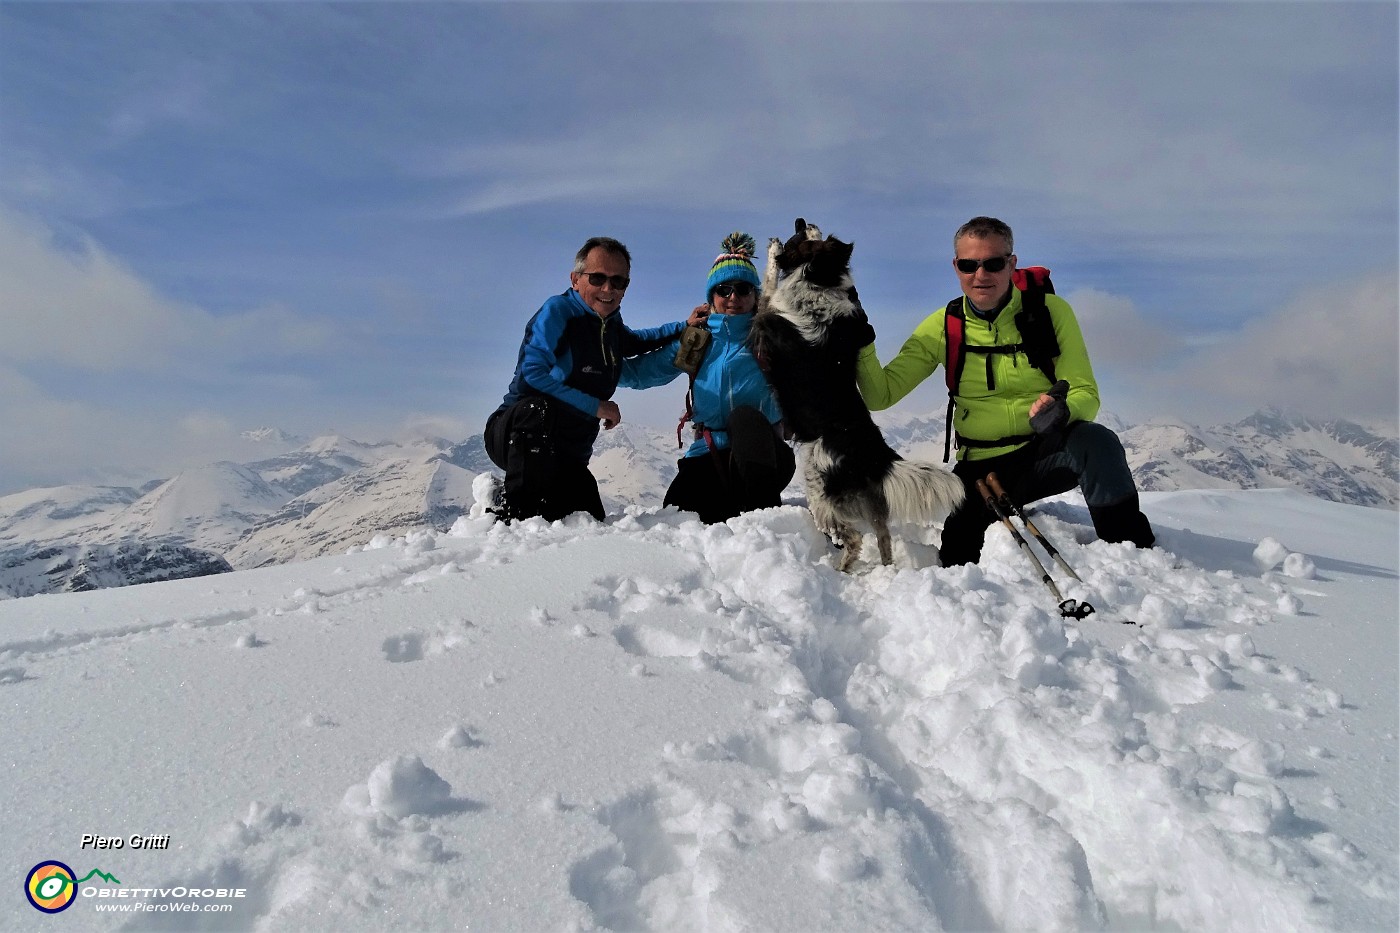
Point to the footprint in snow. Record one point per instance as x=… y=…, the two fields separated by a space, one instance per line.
x=399 y=649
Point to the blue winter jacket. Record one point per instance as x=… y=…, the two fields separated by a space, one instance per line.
x=576 y=356
x=728 y=378
x=572 y=354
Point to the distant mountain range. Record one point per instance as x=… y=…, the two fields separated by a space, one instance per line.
x=1336 y=460
x=297 y=499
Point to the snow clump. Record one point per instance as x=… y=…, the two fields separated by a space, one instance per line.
x=399 y=787
x=1269 y=554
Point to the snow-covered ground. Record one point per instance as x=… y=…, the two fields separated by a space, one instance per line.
x=650 y=724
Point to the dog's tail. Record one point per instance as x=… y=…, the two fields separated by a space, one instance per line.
x=921 y=492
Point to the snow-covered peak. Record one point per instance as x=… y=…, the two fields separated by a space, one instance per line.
x=59 y=511
x=389 y=497
x=367 y=452
x=335 y=443
x=210 y=505
x=1337 y=460
x=273 y=436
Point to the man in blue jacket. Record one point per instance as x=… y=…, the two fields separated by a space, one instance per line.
x=570 y=364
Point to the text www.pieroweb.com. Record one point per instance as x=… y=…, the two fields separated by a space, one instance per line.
x=147 y=907
x=171 y=900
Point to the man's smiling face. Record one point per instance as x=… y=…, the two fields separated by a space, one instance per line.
x=985 y=289
x=606 y=297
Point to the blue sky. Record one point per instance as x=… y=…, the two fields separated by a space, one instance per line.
x=217 y=217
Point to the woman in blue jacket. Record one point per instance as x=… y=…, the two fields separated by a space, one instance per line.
x=737 y=460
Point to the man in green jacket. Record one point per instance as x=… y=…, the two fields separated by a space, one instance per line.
x=1009 y=420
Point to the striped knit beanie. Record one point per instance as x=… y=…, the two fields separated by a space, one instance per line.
x=735 y=264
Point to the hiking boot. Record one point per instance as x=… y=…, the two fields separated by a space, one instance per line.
x=1123 y=522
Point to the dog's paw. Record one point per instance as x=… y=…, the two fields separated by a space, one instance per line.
x=770 y=272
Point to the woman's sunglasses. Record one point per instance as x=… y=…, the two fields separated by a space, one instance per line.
x=742 y=289
x=969 y=266
x=596 y=279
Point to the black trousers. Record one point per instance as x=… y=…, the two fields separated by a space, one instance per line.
x=751 y=473
x=1089 y=456
x=536 y=442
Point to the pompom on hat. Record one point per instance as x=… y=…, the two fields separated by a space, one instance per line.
x=735 y=264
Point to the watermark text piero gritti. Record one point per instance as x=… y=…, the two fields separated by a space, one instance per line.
x=134 y=841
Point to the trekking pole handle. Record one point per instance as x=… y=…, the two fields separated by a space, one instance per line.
x=988 y=498
x=995 y=485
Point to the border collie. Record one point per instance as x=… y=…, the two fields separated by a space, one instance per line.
x=806 y=334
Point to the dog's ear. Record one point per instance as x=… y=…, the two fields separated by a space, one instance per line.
x=841 y=251
x=800 y=228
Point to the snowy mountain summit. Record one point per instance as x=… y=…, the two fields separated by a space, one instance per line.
x=650 y=724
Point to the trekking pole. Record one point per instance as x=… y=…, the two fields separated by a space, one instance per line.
x=1009 y=504
x=1069 y=608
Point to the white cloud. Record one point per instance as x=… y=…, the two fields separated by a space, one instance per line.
x=82 y=307
x=52 y=441
x=1330 y=352
x=105 y=379
x=1118 y=334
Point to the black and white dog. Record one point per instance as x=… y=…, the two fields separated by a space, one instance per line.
x=807 y=334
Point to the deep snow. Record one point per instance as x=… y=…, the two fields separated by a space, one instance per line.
x=650 y=724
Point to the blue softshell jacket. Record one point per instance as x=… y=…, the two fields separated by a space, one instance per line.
x=728 y=378
x=572 y=354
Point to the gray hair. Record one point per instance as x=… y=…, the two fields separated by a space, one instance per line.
x=605 y=243
x=983 y=227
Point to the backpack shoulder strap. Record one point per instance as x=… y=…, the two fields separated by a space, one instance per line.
x=954 y=342
x=955 y=357
x=1037 y=329
x=1038 y=332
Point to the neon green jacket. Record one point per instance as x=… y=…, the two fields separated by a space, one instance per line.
x=984 y=413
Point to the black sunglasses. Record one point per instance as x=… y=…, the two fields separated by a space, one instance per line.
x=596 y=279
x=969 y=266
x=742 y=289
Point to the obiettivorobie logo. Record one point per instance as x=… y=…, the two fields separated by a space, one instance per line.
x=52 y=886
